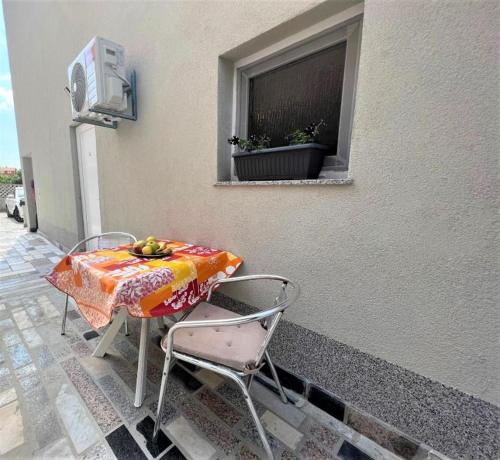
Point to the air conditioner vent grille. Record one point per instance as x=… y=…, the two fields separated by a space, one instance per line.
x=78 y=85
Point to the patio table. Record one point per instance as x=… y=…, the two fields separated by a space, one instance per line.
x=108 y=280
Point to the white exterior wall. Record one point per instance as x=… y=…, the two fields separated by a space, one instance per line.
x=402 y=264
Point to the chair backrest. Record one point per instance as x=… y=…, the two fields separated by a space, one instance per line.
x=270 y=317
x=103 y=241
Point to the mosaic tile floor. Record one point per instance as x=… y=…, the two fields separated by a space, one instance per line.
x=58 y=402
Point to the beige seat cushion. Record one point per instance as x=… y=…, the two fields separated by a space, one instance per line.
x=233 y=346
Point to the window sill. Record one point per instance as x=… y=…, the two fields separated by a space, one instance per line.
x=345 y=181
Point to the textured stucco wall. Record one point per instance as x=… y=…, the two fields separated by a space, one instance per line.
x=401 y=264
x=43 y=128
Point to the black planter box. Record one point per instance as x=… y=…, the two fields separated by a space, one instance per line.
x=293 y=162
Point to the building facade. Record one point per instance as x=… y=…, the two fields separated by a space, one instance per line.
x=395 y=251
x=7 y=171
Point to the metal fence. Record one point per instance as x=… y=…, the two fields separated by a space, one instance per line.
x=6 y=189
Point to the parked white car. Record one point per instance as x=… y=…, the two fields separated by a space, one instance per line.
x=15 y=203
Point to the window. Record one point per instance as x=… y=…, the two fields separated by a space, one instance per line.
x=309 y=81
x=296 y=94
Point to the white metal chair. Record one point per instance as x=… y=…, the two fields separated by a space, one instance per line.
x=111 y=239
x=229 y=344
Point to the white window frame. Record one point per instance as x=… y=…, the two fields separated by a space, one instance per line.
x=348 y=31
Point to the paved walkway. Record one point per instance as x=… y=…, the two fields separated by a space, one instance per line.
x=24 y=257
x=58 y=402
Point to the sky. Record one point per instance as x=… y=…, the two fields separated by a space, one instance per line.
x=9 y=155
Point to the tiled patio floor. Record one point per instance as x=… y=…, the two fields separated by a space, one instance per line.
x=57 y=401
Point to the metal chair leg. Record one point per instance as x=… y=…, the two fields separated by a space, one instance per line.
x=63 y=326
x=255 y=416
x=126 y=328
x=275 y=377
x=249 y=381
x=166 y=369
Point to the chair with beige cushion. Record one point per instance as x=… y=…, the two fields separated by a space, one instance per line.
x=229 y=344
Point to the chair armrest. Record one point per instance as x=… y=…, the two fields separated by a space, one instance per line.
x=257 y=316
x=247 y=278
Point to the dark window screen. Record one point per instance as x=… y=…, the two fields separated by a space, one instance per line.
x=297 y=94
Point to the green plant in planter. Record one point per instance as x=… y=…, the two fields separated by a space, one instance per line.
x=252 y=143
x=307 y=135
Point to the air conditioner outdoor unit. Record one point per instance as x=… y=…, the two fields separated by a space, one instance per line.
x=97 y=81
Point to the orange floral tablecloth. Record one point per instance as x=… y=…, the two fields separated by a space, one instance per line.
x=102 y=280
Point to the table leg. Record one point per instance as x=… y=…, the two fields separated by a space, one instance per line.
x=110 y=334
x=160 y=322
x=142 y=366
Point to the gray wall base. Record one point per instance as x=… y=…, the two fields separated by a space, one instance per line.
x=448 y=420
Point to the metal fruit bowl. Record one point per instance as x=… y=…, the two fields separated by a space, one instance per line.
x=150 y=256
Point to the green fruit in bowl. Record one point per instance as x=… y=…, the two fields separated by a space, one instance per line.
x=154 y=247
x=147 y=250
x=139 y=244
x=150 y=238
